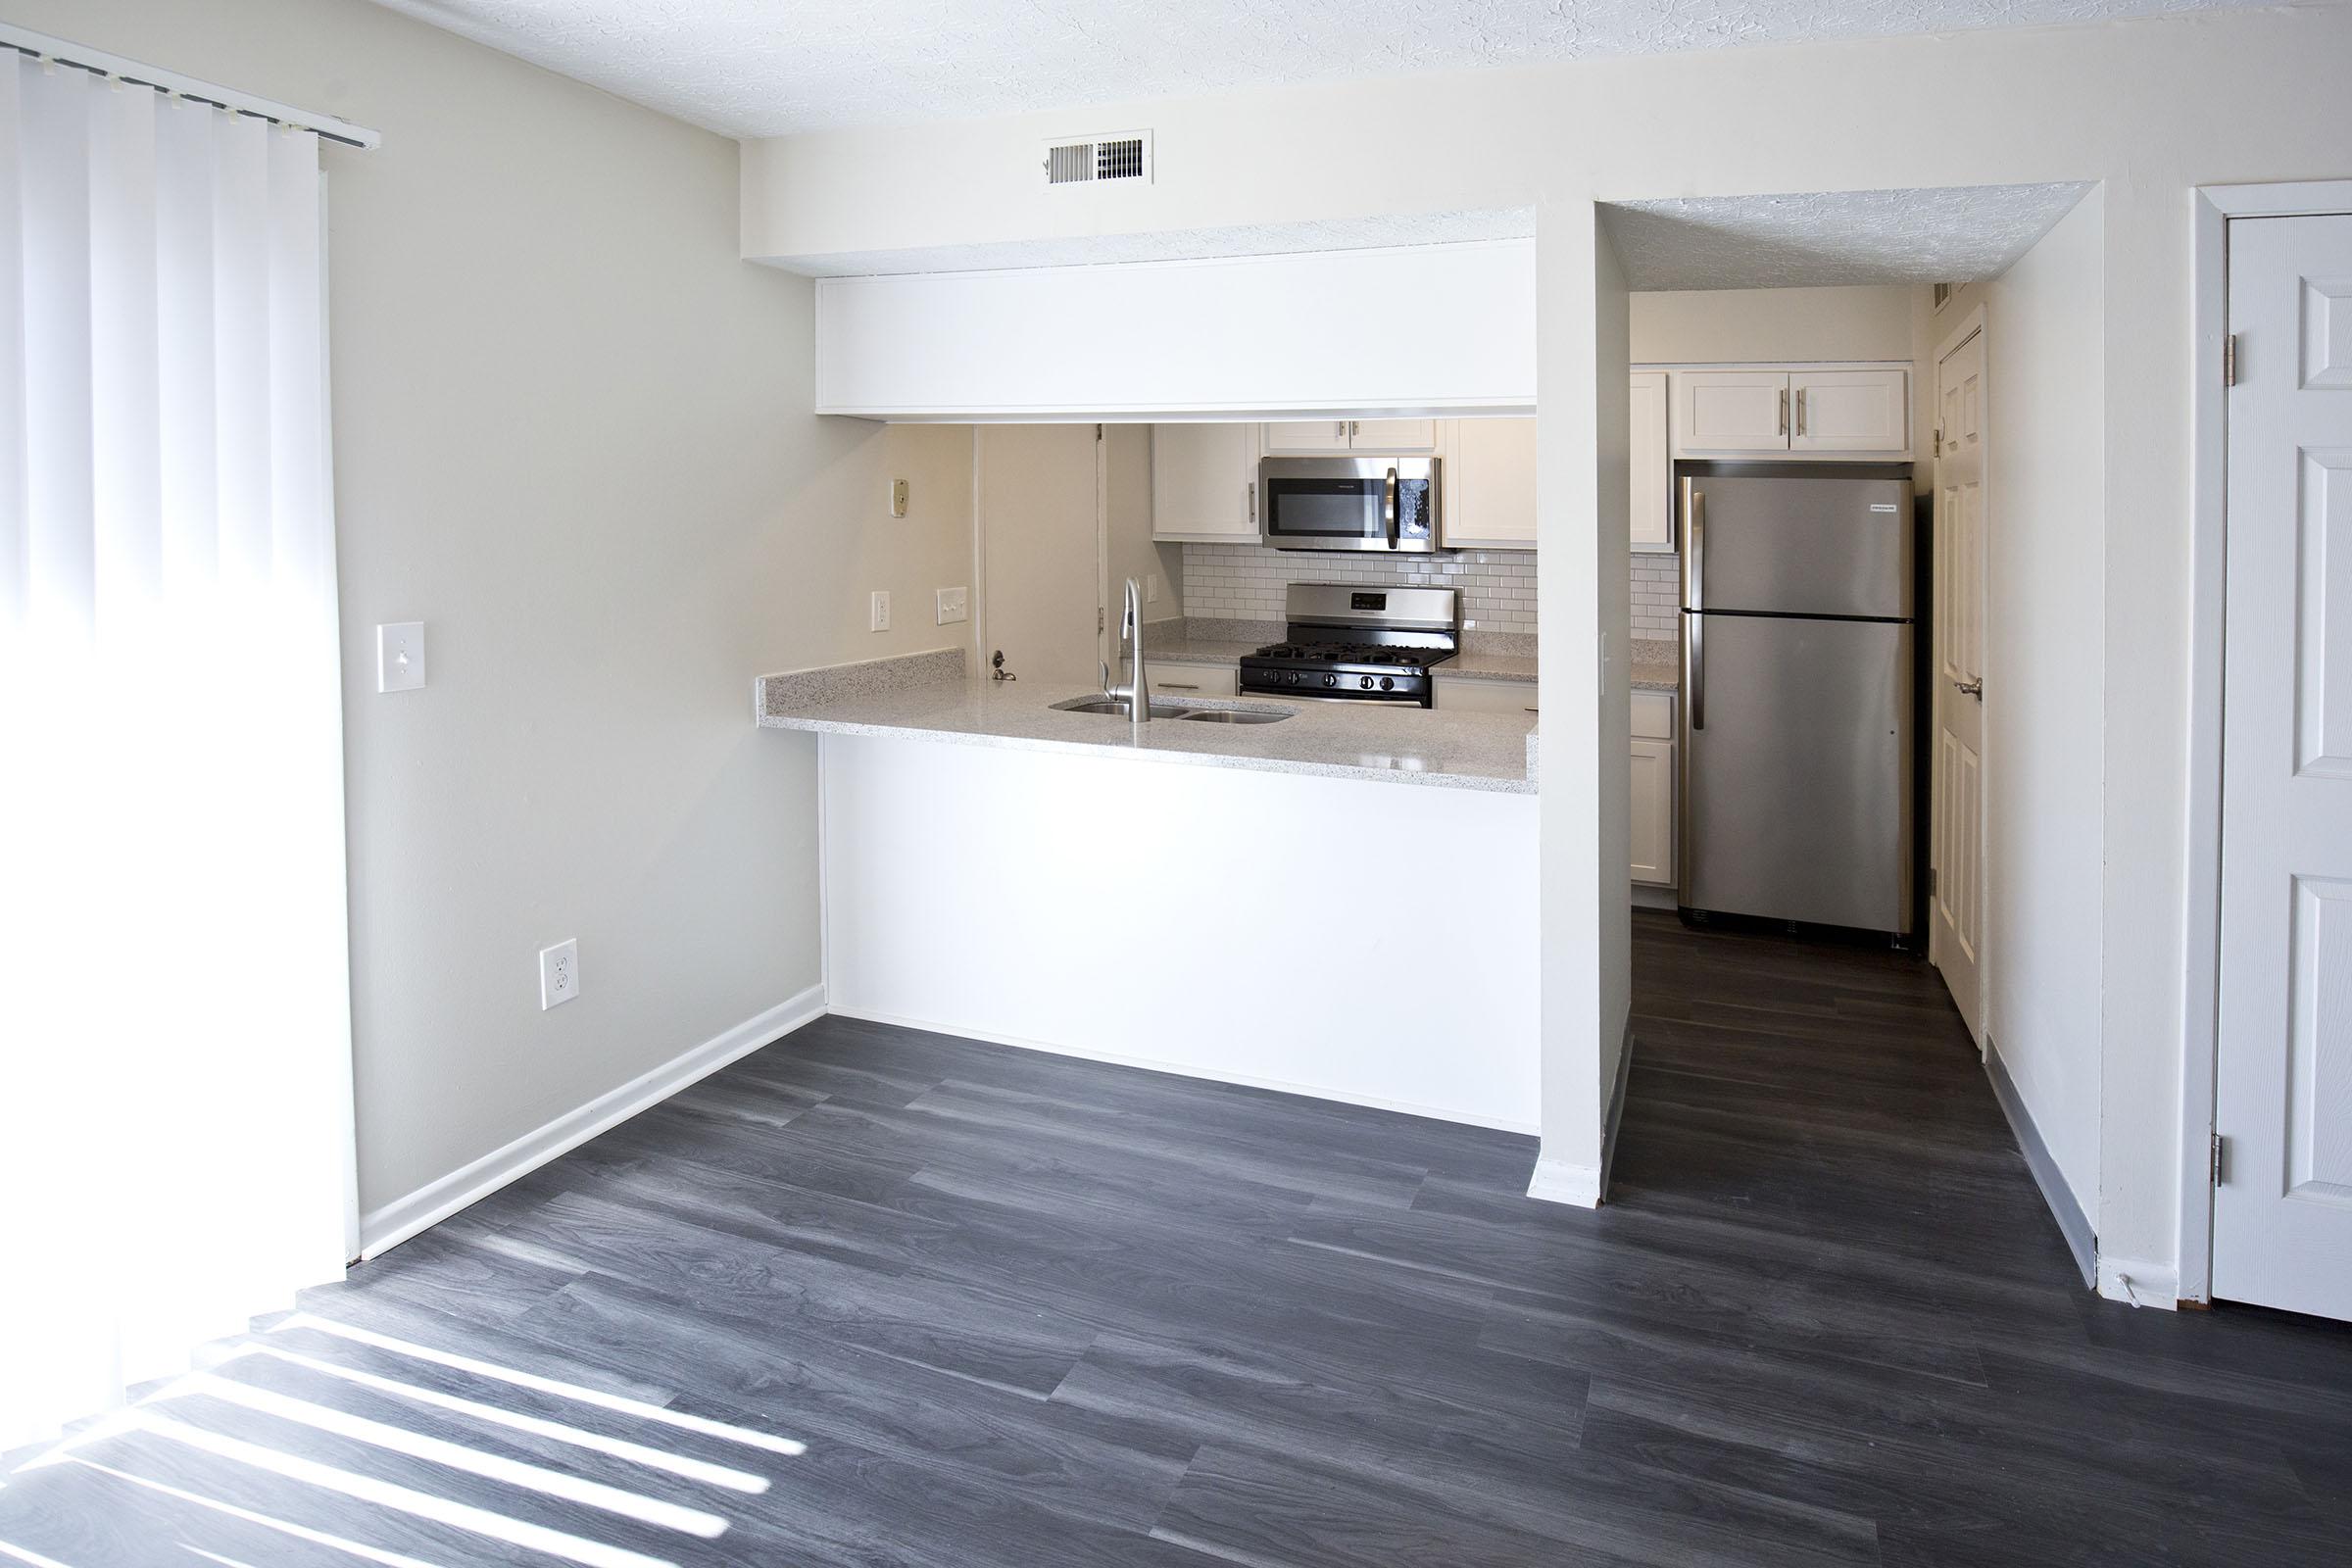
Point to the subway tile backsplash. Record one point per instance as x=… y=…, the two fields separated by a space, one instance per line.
x=1246 y=582
x=1658 y=594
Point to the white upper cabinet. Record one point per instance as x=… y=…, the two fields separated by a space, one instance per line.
x=1304 y=437
x=1850 y=411
x=1490 y=479
x=1819 y=411
x=1204 y=483
x=1650 y=471
x=1415 y=436
x=1730 y=410
x=1319 y=437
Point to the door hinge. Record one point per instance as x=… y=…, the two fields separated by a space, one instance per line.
x=1936 y=443
x=1100 y=620
x=1098 y=432
x=2220 y=1165
x=2229 y=360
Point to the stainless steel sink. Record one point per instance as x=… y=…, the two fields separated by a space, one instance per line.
x=1234 y=715
x=1177 y=711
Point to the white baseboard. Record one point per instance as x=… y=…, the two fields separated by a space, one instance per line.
x=1181 y=1070
x=2140 y=1283
x=395 y=1222
x=1559 y=1181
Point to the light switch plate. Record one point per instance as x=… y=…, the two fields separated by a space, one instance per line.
x=400 y=656
x=559 y=974
x=879 y=613
x=953 y=605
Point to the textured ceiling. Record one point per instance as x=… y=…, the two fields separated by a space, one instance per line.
x=1177 y=245
x=769 y=68
x=1818 y=239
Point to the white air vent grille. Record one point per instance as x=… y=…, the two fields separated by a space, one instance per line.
x=1125 y=154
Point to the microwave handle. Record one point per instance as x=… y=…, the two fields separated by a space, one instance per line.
x=1388 y=507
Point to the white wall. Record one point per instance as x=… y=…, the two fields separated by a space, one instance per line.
x=1698 y=327
x=2152 y=107
x=1120 y=906
x=572 y=434
x=2045 y=345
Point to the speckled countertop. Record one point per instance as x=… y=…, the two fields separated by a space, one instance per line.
x=1655 y=665
x=1487 y=751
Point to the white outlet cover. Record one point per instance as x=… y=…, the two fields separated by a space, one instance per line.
x=955 y=604
x=559 y=974
x=400 y=656
x=878 y=616
x=1152 y=588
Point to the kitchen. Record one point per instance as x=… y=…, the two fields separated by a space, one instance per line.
x=1351 y=603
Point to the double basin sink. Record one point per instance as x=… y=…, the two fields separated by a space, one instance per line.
x=1178 y=710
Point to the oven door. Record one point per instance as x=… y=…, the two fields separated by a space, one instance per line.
x=1384 y=504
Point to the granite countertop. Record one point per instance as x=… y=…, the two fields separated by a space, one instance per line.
x=927 y=696
x=1655 y=665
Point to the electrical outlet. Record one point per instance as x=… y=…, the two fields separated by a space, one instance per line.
x=878 y=616
x=897 y=498
x=400 y=656
x=1152 y=588
x=559 y=974
x=951 y=608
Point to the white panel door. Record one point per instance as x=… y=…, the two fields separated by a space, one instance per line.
x=1730 y=411
x=1490 y=480
x=1651 y=807
x=1040 y=500
x=1303 y=437
x=1956 y=781
x=1204 y=483
x=1850 y=411
x=1650 y=471
x=2282 y=1213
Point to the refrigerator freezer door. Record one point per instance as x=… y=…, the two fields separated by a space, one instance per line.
x=1803 y=544
x=1795 y=798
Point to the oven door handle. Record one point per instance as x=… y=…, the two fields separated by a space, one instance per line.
x=1388 y=508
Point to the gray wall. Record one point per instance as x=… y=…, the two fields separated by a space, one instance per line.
x=573 y=435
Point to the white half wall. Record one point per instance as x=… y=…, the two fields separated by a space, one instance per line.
x=1415 y=329
x=1198 y=921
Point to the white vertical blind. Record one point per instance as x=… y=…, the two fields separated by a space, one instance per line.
x=175 y=1035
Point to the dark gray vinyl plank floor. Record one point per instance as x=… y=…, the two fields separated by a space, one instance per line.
x=881 y=1297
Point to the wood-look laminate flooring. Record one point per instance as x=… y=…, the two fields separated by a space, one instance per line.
x=875 y=1296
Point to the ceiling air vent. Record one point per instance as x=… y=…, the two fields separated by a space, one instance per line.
x=1125 y=154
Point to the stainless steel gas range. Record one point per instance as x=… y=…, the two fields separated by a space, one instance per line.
x=1347 y=642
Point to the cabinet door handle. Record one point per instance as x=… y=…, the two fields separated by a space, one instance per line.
x=1177 y=685
x=1254 y=503
x=1800 y=410
x=1784 y=411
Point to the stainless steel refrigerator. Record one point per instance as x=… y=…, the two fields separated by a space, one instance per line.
x=1796 y=751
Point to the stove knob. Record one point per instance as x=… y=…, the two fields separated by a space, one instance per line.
x=1292 y=677
x=1366 y=681
x=1387 y=685
x=1330 y=680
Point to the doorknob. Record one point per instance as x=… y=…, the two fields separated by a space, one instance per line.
x=1973 y=688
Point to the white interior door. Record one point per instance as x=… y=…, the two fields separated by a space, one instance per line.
x=2282 y=1097
x=1956 y=781
x=1039 y=499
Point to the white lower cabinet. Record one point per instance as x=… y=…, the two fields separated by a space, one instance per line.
x=1179 y=681
x=1461 y=694
x=1651 y=802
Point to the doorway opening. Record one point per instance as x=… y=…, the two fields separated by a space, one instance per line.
x=1886 y=705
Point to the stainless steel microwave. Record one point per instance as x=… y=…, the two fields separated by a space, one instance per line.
x=1388 y=504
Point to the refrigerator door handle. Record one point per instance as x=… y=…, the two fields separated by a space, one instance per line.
x=1694 y=647
x=1694 y=528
